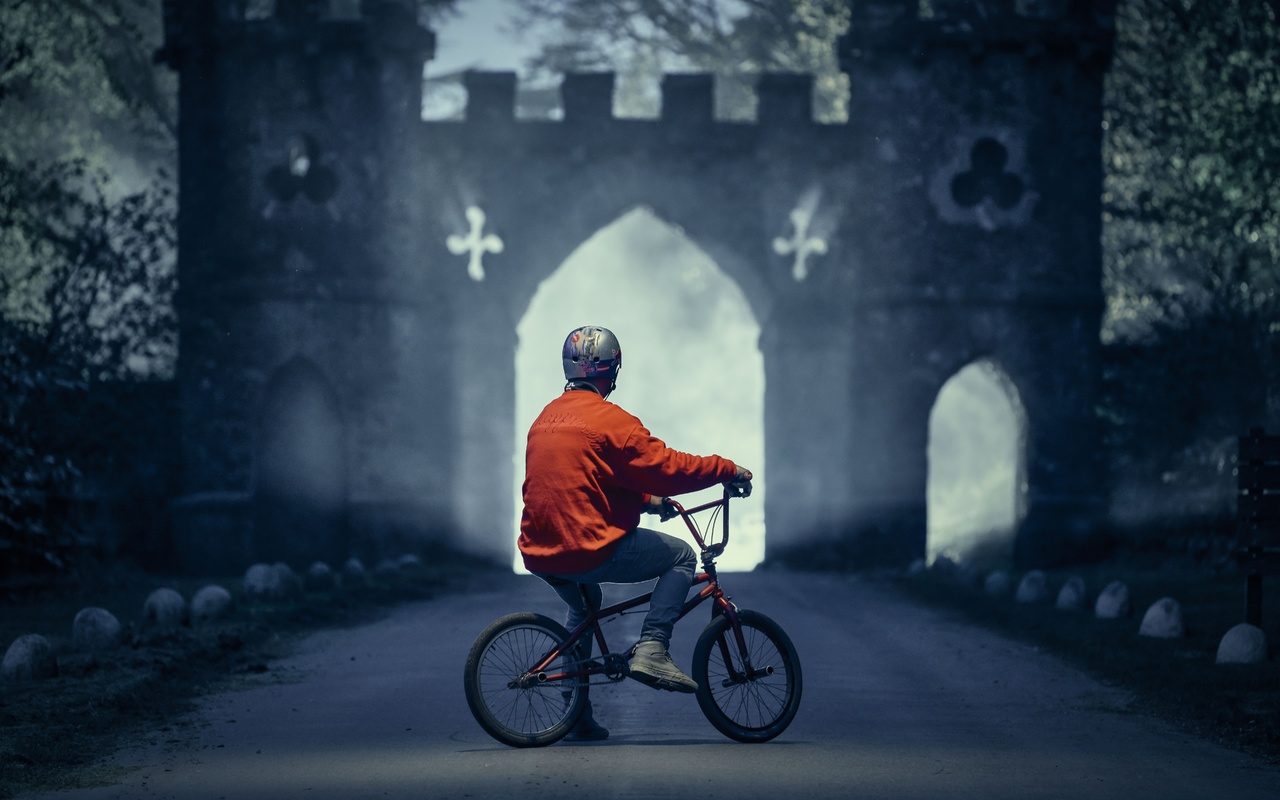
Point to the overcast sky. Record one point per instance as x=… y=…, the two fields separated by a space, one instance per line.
x=478 y=38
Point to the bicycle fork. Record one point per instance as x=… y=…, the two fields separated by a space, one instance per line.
x=747 y=673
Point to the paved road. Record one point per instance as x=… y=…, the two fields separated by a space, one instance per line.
x=899 y=702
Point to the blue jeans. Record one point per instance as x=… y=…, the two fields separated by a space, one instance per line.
x=641 y=555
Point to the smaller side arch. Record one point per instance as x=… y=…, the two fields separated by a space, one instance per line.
x=976 y=494
x=300 y=476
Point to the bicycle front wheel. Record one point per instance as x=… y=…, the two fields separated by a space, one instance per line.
x=516 y=712
x=750 y=692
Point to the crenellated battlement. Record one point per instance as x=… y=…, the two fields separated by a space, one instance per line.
x=688 y=99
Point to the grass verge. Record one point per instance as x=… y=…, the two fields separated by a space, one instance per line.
x=1178 y=680
x=56 y=730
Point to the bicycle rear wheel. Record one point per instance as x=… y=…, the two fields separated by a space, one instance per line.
x=749 y=695
x=530 y=713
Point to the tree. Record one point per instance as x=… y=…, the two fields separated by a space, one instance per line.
x=1192 y=190
x=77 y=82
x=86 y=286
x=86 y=223
x=1191 y=242
x=86 y=249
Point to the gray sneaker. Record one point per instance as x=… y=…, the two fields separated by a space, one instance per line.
x=652 y=665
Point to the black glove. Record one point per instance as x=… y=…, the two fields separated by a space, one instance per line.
x=740 y=486
x=662 y=507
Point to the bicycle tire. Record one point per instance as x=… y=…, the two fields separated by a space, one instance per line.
x=747 y=708
x=532 y=716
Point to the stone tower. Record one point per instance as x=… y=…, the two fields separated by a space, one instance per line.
x=985 y=189
x=298 y=351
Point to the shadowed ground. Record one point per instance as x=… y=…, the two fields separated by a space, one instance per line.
x=899 y=702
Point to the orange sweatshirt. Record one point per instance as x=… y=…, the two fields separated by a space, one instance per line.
x=588 y=467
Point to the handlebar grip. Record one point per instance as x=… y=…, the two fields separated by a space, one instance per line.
x=736 y=489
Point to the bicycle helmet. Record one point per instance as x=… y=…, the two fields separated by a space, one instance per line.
x=592 y=352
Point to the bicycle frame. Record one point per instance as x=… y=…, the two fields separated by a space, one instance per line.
x=746 y=670
x=708 y=579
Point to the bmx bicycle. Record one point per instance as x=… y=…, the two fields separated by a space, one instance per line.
x=526 y=676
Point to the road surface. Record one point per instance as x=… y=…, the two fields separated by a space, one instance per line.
x=899 y=702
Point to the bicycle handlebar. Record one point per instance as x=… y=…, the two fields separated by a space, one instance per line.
x=687 y=515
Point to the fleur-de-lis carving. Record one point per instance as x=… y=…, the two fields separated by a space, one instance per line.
x=474 y=244
x=800 y=243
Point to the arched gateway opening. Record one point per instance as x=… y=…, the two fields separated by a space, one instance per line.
x=693 y=369
x=977 y=453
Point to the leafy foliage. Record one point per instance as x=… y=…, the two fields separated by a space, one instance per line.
x=86 y=284
x=86 y=251
x=77 y=82
x=88 y=277
x=1191 y=244
x=1192 y=189
x=31 y=471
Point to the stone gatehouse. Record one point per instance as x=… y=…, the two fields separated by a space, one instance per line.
x=348 y=317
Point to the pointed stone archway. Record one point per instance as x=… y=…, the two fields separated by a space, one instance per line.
x=693 y=374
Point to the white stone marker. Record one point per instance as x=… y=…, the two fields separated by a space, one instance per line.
x=164 y=608
x=271 y=582
x=96 y=629
x=1071 y=595
x=320 y=577
x=1163 y=620
x=211 y=603
x=1113 y=602
x=354 y=572
x=1243 y=644
x=259 y=581
x=997 y=584
x=1033 y=588
x=29 y=658
x=287 y=581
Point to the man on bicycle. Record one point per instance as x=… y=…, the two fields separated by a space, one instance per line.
x=591 y=468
